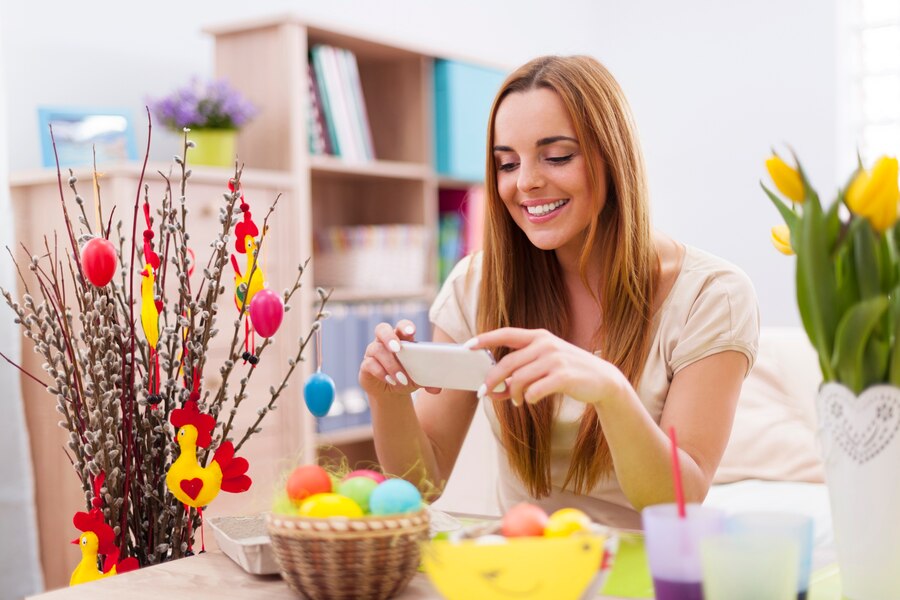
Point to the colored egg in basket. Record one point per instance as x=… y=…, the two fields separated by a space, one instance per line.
x=350 y=537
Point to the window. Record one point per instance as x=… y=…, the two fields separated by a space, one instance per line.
x=875 y=95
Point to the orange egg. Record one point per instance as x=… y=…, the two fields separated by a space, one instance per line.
x=524 y=520
x=307 y=480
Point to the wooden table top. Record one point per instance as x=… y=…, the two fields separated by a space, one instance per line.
x=211 y=575
x=208 y=576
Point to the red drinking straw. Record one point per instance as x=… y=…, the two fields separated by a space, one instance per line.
x=676 y=474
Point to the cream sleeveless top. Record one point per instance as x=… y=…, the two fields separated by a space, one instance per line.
x=710 y=308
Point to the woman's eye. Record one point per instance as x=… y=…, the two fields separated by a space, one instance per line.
x=559 y=160
x=509 y=166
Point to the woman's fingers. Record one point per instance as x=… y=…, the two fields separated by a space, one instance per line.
x=511 y=337
x=384 y=350
x=405 y=330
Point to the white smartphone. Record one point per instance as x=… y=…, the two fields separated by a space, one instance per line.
x=451 y=366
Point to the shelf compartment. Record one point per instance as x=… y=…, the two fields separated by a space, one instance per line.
x=350 y=435
x=325 y=166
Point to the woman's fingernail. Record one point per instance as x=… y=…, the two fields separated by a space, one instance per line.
x=472 y=342
x=515 y=401
x=394 y=345
x=402 y=378
x=482 y=391
x=501 y=387
x=390 y=380
x=409 y=330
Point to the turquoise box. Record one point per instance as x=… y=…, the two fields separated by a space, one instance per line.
x=462 y=103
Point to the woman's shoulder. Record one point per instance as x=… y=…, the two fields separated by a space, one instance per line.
x=713 y=307
x=455 y=307
x=703 y=270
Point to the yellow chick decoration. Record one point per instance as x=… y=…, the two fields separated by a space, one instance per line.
x=191 y=483
x=98 y=538
x=149 y=310
x=252 y=280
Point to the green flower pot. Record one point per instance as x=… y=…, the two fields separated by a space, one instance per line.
x=214 y=147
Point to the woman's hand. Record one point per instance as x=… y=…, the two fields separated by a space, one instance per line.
x=380 y=373
x=541 y=364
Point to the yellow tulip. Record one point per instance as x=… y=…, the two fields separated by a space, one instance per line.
x=786 y=178
x=874 y=194
x=781 y=239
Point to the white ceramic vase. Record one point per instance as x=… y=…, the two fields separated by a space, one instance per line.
x=860 y=438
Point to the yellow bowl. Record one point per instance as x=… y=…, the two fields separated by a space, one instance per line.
x=529 y=567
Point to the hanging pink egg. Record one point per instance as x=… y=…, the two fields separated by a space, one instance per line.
x=98 y=258
x=266 y=312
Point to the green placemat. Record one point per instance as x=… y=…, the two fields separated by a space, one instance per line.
x=630 y=575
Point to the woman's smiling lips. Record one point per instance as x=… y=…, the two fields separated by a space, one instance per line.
x=544 y=209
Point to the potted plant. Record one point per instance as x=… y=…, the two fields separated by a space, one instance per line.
x=848 y=293
x=213 y=111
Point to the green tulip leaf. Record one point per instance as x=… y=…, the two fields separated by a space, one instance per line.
x=846 y=281
x=790 y=217
x=875 y=359
x=851 y=338
x=816 y=282
x=865 y=256
x=833 y=224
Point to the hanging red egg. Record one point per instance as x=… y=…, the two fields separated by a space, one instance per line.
x=98 y=258
x=266 y=312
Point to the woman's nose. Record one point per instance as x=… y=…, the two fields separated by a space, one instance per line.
x=529 y=178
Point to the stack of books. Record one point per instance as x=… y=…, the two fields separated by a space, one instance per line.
x=338 y=123
x=460 y=226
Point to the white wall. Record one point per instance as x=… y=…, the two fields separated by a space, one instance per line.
x=713 y=84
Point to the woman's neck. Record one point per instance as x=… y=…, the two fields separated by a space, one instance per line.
x=569 y=262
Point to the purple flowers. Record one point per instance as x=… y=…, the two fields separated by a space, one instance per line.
x=214 y=105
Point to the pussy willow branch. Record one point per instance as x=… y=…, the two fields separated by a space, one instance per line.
x=232 y=354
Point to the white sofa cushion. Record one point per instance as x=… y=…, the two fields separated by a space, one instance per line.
x=774 y=432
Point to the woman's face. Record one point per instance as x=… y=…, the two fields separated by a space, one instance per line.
x=542 y=173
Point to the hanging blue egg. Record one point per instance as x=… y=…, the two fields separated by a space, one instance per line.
x=319 y=393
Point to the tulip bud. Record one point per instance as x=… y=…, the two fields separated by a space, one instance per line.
x=786 y=178
x=874 y=194
x=781 y=239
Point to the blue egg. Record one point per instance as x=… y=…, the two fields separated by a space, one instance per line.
x=394 y=497
x=319 y=393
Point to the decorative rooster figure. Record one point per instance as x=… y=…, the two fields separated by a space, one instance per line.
x=150 y=306
x=97 y=538
x=191 y=483
x=246 y=285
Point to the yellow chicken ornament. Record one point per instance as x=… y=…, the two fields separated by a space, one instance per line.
x=98 y=538
x=191 y=483
x=150 y=307
x=252 y=280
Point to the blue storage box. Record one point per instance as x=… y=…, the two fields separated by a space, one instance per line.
x=462 y=103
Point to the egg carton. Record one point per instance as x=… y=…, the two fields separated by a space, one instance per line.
x=245 y=540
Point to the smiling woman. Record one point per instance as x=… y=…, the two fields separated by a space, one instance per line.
x=607 y=333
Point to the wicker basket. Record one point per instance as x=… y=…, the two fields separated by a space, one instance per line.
x=366 y=558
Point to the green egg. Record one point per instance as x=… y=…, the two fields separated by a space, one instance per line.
x=358 y=489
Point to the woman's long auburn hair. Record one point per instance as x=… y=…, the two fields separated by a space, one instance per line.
x=522 y=285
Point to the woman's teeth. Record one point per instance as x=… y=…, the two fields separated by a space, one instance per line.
x=543 y=209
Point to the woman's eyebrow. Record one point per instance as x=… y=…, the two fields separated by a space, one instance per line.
x=555 y=138
x=541 y=142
